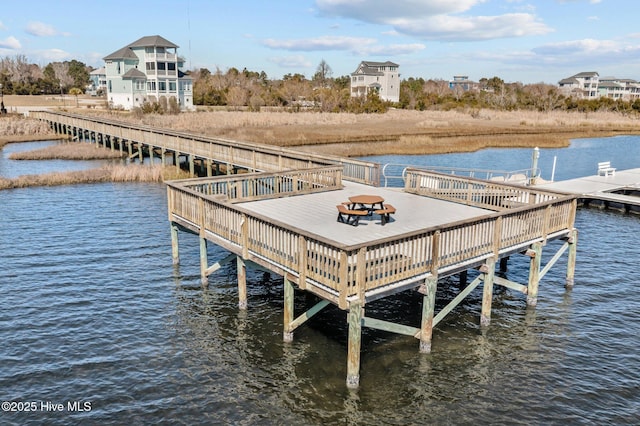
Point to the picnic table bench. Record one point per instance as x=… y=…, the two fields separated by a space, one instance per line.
x=385 y=213
x=350 y=216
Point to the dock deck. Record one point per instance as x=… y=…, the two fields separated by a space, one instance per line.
x=619 y=191
x=316 y=213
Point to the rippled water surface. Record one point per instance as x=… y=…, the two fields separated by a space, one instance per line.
x=93 y=311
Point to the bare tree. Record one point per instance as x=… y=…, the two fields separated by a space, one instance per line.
x=323 y=73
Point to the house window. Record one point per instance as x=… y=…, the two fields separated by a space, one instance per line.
x=162 y=86
x=139 y=84
x=148 y=49
x=151 y=66
x=172 y=86
x=151 y=86
x=162 y=66
x=160 y=49
x=171 y=66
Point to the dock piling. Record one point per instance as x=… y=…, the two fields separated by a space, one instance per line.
x=487 y=291
x=353 y=346
x=534 y=273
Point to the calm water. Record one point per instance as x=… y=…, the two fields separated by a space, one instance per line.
x=93 y=311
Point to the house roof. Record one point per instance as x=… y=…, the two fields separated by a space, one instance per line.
x=569 y=80
x=99 y=71
x=147 y=41
x=134 y=73
x=155 y=40
x=124 y=53
x=586 y=74
x=371 y=68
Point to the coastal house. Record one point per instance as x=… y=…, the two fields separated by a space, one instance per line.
x=589 y=85
x=462 y=82
x=147 y=70
x=380 y=77
x=583 y=85
x=98 y=82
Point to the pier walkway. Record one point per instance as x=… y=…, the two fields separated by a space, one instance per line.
x=281 y=216
x=620 y=191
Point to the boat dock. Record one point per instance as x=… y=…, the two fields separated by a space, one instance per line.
x=618 y=191
x=281 y=216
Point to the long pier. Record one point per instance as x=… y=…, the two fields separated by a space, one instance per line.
x=283 y=219
x=206 y=155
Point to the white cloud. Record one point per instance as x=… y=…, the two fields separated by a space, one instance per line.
x=296 y=61
x=380 y=11
x=319 y=43
x=453 y=28
x=53 y=55
x=10 y=43
x=40 y=29
x=436 y=19
x=355 y=45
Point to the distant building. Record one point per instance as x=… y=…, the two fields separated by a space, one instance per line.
x=589 y=85
x=463 y=82
x=380 y=77
x=98 y=83
x=147 y=70
x=583 y=85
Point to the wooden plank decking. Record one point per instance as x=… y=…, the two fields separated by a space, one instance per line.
x=608 y=190
x=317 y=214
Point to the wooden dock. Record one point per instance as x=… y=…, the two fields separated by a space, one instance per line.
x=281 y=216
x=443 y=225
x=620 y=191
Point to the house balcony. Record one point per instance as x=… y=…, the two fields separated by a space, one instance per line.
x=170 y=57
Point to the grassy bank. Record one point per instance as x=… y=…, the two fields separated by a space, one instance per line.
x=16 y=128
x=68 y=151
x=109 y=173
x=397 y=131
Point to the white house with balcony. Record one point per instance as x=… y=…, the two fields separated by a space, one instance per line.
x=589 y=85
x=380 y=77
x=147 y=70
x=583 y=85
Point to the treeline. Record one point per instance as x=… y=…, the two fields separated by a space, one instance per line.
x=252 y=90
x=19 y=77
x=322 y=92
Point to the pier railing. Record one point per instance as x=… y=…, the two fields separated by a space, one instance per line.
x=252 y=156
x=259 y=186
x=474 y=192
x=363 y=271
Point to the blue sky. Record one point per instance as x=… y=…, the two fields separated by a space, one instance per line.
x=517 y=40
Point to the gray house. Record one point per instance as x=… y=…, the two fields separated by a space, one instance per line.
x=381 y=77
x=147 y=70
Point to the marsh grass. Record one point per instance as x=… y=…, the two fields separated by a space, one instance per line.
x=108 y=173
x=15 y=128
x=68 y=151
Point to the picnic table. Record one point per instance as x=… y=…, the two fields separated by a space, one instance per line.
x=370 y=203
x=364 y=205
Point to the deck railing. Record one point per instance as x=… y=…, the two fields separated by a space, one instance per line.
x=474 y=192
x=259 y=186
x=342 y=272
